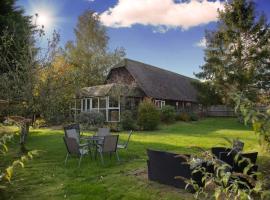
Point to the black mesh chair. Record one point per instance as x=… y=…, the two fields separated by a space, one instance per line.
x=164 y=167
x=238 y=145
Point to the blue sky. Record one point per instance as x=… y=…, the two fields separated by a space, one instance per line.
x=164 y=33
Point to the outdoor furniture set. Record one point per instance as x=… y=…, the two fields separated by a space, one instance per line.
x=100 y=143
x=164 y=167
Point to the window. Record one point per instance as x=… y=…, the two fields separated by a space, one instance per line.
x=114 y=109
x=94 y=102
x=113 y=103
x=102 y=102
x=114 y=115
x=110 y=107
x=159 y=103
x=85 y=105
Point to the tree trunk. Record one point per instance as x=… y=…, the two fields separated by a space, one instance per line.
x=23 y=136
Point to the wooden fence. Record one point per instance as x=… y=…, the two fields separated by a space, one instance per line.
x=220 y=111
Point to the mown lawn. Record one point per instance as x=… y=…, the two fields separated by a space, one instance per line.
x=46 y=177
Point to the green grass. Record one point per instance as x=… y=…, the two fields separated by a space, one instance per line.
x=46 y=177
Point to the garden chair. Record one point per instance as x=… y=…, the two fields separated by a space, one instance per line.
x=73 y=131
x=125 y=145
x=74 y=148
x=109 y=145
x=238 y=145
x=217 y=150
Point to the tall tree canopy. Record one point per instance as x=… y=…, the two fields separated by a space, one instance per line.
x=90 y=53
x=17 y=55
x=238 y=52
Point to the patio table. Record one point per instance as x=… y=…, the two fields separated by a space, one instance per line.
x=94 y=141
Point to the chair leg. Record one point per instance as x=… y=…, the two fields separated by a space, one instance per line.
x=101 y=157
x=80 y=160
x=66 y=159
x=117 y=156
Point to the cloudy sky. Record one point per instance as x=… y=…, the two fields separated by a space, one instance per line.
x=165 y=33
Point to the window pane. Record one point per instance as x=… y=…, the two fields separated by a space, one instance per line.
x=94 y=102
x=83 y=104
x=88 y=104
x=102 y=102
x=113 y=115
x=113 y=102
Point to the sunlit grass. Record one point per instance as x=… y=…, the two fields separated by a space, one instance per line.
x=46 y=177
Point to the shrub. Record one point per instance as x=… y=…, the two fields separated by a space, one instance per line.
x=148 y=115
x=168 y=114
x=184 y=117
x=113 y=126
x=39 y=123
x=193 y=116
x=91 y=119
x=127 y=121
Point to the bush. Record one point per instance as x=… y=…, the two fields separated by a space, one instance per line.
x=113 y=126
x=127 y=121
x=91 y=119
x=39 y=123
x=148 y=115
x=168 y=114
x=194 y=117
x=184 y=117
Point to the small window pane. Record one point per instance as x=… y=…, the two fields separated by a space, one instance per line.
x=94 y=102
x=102 y=102
x=113 y=115
x=88 y=104
x=113 y=103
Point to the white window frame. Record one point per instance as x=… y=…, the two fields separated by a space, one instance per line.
x=107 y=108
x=160 y=103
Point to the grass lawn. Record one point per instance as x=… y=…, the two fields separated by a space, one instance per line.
x=46 y=177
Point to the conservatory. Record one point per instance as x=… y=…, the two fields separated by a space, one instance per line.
x=109 y=99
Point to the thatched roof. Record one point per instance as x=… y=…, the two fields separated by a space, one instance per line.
x=110 y=90
x=159 y=83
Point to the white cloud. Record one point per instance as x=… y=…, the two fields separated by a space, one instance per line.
x=161 y=13
x=201 y=43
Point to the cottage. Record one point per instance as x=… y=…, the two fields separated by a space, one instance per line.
x=129 y=82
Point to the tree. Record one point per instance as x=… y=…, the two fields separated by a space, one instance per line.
x=89 y=54
x=17 y=57
x=237 y=53
x=207 y=94
x=55 y=89
x=83 y=63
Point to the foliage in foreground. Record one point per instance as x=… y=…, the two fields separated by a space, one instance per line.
x=260 y=120
x=6 y=172
x=224 y=183
x=148 y=115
